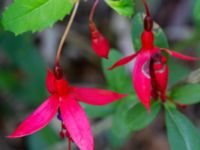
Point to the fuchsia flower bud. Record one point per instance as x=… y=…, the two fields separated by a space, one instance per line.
x=99 y=43
x=150 y=73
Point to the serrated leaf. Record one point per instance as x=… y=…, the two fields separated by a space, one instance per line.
x=182 y=134
x=122 y=7
x=117 y=79
x=138 y=118
x=138 y=28
x=186 y=94
x=34 y=15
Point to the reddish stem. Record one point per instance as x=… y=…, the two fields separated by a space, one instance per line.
x=69 y=143
x=93 y=10
x=147 y=8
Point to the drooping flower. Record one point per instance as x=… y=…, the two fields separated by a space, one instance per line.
x=99 y=42
x=150 y=73
x=64 y=100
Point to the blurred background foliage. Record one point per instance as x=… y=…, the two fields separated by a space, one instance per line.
x=24 y=61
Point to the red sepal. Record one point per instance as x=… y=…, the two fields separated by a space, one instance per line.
x=96 y=96
x=123 y=61
x=38 y=119
x=179 y=55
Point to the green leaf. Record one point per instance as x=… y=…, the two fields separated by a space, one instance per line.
x=119 y=132
x=34 y=15
x=138 y=28
x=117 y=79
x=119 y=128
x=29 y=66
x=186 y=94
x=122 y=7
x=8 y=80
x=182 y=134
x=138 y=118
x=116 y=140
x=43 y=139
x=196 y=12
x=178 y=71
x=96 y=111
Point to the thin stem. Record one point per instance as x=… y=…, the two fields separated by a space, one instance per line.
x=147 y=8
x=69 y=143
x=66 y=32
x=93 y=10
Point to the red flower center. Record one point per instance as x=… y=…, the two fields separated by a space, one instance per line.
x=62 y=87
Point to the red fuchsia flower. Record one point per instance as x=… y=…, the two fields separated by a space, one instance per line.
x=150 y=73
x=64 y=100
x=99 y=43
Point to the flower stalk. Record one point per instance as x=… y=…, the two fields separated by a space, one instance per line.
x=66 y=32
x=93 y=10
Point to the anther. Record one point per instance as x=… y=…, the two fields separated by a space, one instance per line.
x=67 y=134
x=62 y=134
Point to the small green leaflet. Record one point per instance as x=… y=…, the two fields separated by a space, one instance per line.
x=186 y=94
x=123 y=7
x=34 y=15
x=182 y=134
